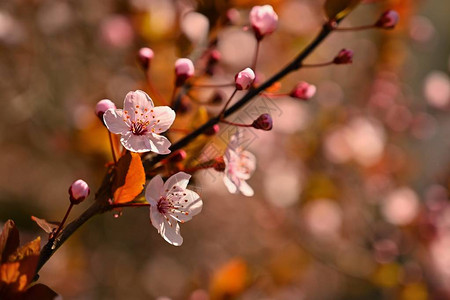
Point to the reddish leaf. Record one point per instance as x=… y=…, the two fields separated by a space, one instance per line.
x=45 y=225
x=39 y=291
x=130 y=178
x=29 y=249
x=9 y=240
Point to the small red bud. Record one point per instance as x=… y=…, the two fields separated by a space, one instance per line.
x=244 y=79
x=102 y=106
x=78 y=191
x=184 y=69
x=145 y=57
x=263 y=122
x=344 y=57
x=212 y=130
x=303 y=91
x=178 y=156
x=388 y=19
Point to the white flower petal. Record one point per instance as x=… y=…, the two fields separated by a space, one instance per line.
x=136 y=143
x=230 y=185
x=158 y=143
x=171 y=232
x=156 y=218
x=245 y=189
x=114 y=121
x=194 y=204
x=136 y=103
x=164 y=116
x=179 y=179
x=154 y=190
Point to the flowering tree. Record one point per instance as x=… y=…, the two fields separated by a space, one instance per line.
x=151 y=168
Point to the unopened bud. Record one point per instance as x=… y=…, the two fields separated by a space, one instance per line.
x=388 y=19
x=145 y=57
x=344 y=57
x=184 y=69
x=214 y=57
x=212 y=130
x=233 y=16
x=178 y=156
x=303 y=91
x=244 y=79
x=219 y=165
x=264 y=20
x=263 y=122
x=78 y=191
x=102 y=106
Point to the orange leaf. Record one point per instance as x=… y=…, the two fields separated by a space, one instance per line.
x=229 y=280
x=130 y=178
x=9 y=272
x=275 y=87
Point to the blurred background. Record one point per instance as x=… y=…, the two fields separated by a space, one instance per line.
x=351 y=187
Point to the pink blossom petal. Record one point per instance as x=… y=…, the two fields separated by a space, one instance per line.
x=164 y=116
x=154 y=190
x=137 y=104
x=137 y=143
x=230 y=185
x=171 y=232
x=114 y=121
x=158 y=143
x=156 y=218
x=179 y=180
x=245 y=189
x=192 y=205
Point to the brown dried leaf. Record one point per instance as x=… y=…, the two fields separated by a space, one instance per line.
x=338 y=9
x=9 y=240
x=45 y=225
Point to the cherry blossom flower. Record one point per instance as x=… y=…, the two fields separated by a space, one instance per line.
x=140 y=123
x=171 y=202
x=239 y=166
x=264 y=20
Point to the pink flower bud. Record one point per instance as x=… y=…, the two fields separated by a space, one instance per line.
x=244 y=79
x=344 y=57
x=184 y=69
x=145 y=57
x=233 y=16
x=388 y=19
x=303 y=91
x=264 y=20
x=102 y=106
x=178 y=156
x=212 y=130
x=263 y=122
x=78 y=191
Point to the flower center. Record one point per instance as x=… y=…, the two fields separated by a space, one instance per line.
x=163 y=205
x=139 y=127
